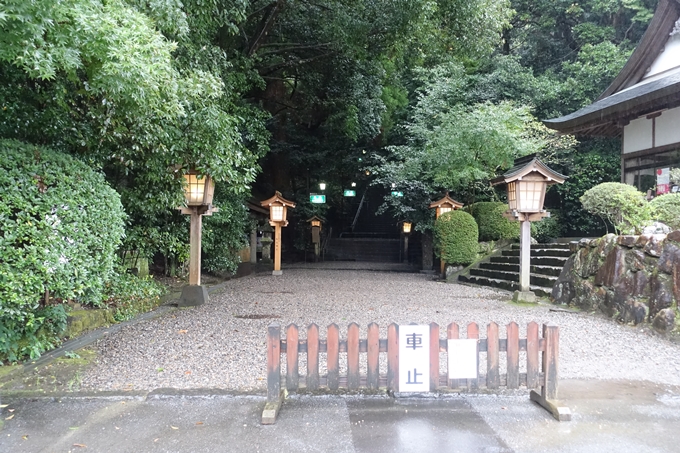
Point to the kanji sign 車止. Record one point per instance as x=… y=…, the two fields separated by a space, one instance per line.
x=414 y=358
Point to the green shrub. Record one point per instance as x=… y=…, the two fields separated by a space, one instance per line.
x=492 y=225
x=61 y=224
x=456 y=237
x=667 y=209
x=130 y=295
x=547 y=229
x=620 y=204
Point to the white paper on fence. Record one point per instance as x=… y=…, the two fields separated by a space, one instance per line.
x=414 y=358
x=463 y=359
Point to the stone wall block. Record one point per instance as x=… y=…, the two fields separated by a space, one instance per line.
x=635 y=260
x=662 y=293
x=627 y=241
x=642 y=240
x=633 y=312
x=614 y=268
x=563 y=291
x=664 y=320
x=670 y=257
x=654 y=245
x=641 y=285
x=674 y=236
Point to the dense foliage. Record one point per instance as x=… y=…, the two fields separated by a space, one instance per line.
x=621 y=205
x=667 y=209
x=61 y=227
x=492 y=225
x=456 y=237
x=547 y=229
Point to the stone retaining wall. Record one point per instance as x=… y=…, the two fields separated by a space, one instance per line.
x=631 y=278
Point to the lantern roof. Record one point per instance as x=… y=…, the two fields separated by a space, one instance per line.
x=320 y=219
x=446 y=200
x=278 y=199
x=529 y=164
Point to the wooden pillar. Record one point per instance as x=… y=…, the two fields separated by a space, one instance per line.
x=253 y=246
x=195 y=248
x=524 y=256
x=277 y=249
x=406 y=248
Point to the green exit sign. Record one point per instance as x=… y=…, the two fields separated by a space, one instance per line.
x=397 y=194
x=350 y=193
x=318 y=199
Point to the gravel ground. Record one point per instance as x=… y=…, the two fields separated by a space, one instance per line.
x=210 y=347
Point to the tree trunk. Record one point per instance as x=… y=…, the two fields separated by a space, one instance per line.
x=427 y=250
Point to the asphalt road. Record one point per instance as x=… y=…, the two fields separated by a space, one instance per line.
x=607 y=416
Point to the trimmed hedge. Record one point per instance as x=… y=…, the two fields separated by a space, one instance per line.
x=492 y=225
x=625 y=207
x=61 y=224
x=456 y=237
x=667 y=209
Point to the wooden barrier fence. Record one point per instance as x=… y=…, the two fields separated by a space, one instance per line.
x=292 y=346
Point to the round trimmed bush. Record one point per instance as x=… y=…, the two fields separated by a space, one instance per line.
x=61 y=225
x=667 y=209
x=492 y=225
x=625 y=207
x=456 y=237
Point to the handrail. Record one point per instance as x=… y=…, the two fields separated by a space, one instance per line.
x=356 y=217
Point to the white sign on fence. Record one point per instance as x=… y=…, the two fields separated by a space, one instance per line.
x=463 y=358
x=414 y=358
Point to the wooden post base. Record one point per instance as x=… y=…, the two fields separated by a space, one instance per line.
x=271 y=410
x=561 y=413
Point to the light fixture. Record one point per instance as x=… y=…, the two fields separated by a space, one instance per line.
x=406 y=227
x=278 y=209
x=354 y=184
x=198 y=189
x=322 y=186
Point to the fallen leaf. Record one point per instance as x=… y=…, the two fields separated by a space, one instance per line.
x=503 y=407
x=156 y=439
x=2 y=406
x=25 y=436
x=10 y=410
x=73 y=427
x=116 y=427
x=80 y=445
x=183 y=331
x=10 y=417
x=187 y=372
x=174 y=427
x=199 y=423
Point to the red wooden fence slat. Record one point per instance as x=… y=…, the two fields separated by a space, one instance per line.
x=373 y=362
x=434 y=356
x=473 y=332
x=313 y=357
x=452 y=334
x=393 y=357
x=493 y=378
x=353 y=356
x=333 y=357
x=273 y=362
x=292 y=365
x=551 y=334
x=532 y=355
x=513 y=356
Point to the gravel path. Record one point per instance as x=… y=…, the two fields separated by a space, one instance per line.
x=210 y=347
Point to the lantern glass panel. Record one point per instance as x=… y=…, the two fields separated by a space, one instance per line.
x=276 y=213
x=195 y=189
x=316 y=223
x=407 y=227
x=444 y=209
x=531 y=195
x=512 y=195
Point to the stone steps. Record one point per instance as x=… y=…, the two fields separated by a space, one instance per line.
x=502 y=271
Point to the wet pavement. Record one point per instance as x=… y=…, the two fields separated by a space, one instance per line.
x=607 y=416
